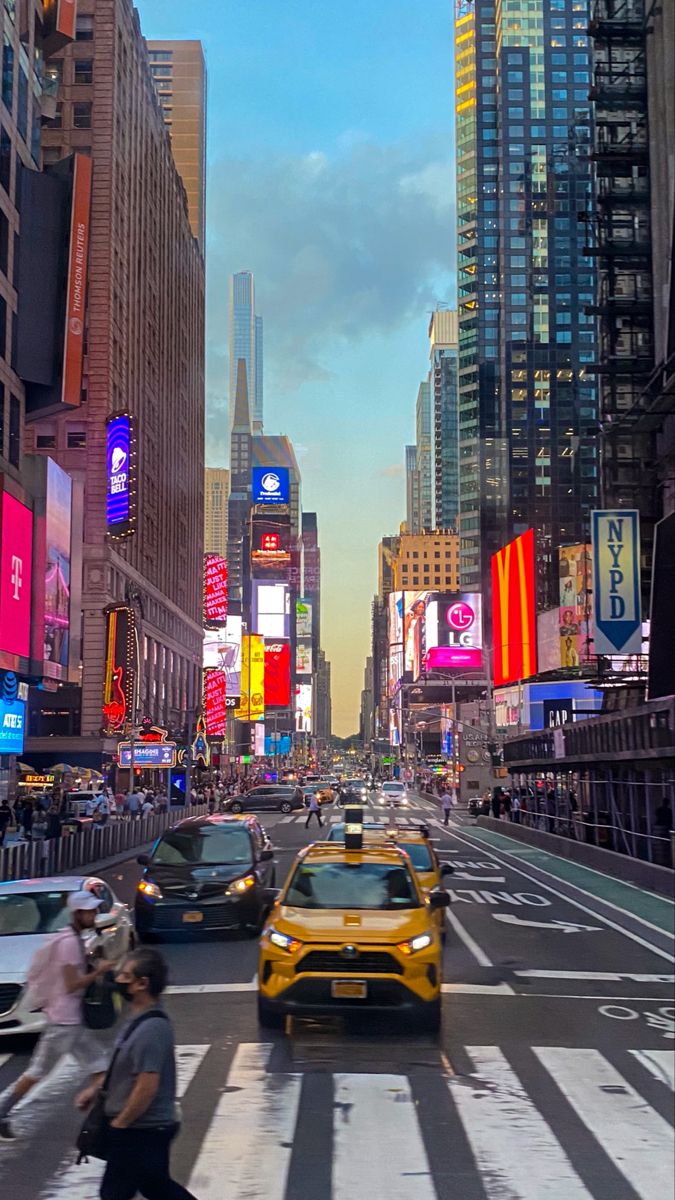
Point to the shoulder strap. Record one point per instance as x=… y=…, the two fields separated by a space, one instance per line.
x=131 y=1028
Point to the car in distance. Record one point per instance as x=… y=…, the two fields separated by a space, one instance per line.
x=205 y=873
x=267 y=797
x=393 y=794
x=31 y=910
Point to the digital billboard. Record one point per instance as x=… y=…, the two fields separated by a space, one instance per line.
x=215 y=589
x=270 y=544
x=303 y=708
x=277 y=674
x=215 y=707
x=252 y=702
x=271 y=609
x=76 y=287
x=58 y=512
x=120 y=475
x=270 y=485
x=576 y=625
x=414 y=611
x=16 y=569
x=396 y=618
x=303 y=658
x=548 y=640
x=453 y=632
x=303 y=618
x=12 y=726
x=662 y=642
x=514 y=623
x=120 y=668
x=222 y=652
x=617 y=618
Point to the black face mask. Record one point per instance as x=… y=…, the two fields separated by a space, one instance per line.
x=123 y=989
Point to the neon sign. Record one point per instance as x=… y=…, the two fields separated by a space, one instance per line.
x=120 y=475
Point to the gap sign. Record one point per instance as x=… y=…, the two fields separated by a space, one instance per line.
x=616 y=581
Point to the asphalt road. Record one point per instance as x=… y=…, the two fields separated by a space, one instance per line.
x=552 y=1078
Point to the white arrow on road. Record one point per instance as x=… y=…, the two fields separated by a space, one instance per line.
x=563 y=926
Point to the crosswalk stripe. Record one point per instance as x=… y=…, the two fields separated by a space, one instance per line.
x=659 y=1063
x=4 y=1058
x=378 y=1147
x=634 y=1136
x=188 y=1062
x=515 y=1150
x=249 y=1140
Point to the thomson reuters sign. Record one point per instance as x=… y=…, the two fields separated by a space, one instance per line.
x=514 y=617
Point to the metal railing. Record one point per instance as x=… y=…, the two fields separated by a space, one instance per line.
x=63 y=855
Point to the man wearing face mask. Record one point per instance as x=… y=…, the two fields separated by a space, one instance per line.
x=140 y=1092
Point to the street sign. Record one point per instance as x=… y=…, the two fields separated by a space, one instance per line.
x=150 y=755
x=616 y=581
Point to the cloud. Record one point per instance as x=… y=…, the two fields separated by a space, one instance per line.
x=393 y=471
x=344 y=245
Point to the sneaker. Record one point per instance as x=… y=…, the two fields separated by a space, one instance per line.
x=7 y=1134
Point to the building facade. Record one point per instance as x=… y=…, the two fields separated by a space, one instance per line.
x=143 y=355
x=443 y=381
x=239 y=501
x=412 y=490
x=216 y=496
x=179 y=72
x=426 y=560
x=425 y=466
x=246 y=343
x=527 y=392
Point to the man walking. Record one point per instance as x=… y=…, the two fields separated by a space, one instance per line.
x=141 y=1089
x=314 y=810
x=446 y=805
x=63 y=980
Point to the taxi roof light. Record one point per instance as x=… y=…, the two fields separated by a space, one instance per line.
x=354 y=836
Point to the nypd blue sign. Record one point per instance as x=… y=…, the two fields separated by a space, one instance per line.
x=616 y=581
x=12 y=726
x=271 y=485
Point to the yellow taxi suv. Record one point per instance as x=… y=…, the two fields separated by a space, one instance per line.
x=351 y=931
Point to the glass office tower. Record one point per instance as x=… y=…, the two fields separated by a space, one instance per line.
x=527 y=403
x=246 y=342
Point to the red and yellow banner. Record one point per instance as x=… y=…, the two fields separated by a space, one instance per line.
x=252 y=703
x=514 y=618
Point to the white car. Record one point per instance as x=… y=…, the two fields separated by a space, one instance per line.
x=393 y=794
x=31 y=909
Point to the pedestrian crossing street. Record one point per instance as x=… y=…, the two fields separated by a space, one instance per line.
x=417 y=811
x=552 y=1124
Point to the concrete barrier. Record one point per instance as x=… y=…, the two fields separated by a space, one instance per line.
x=618 y=866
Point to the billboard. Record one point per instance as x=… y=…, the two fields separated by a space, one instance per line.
x=303 y=618
x=616 y=581
x=662 y=661
x=16 y=559
x=58 y=512
x=148 y=754
x=277 y=674
x=60 y=18
x=120 y=475
x=215 y=589
x=303 y=658
x=270 y=485
x=548 y=640
x=303 y=708
x=396 y=618
x=453 y=632
x=76 y=287
x=271 y=609
x=222 y=652
x=252 y=703
x=258 y=747
x=12 y=726
x=414 y=612
x=215 y=707
x=271 y=544
x=120 y=668
x=576 y=627
x=514 y=624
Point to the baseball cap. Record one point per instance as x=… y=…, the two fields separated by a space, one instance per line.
x=83 y=902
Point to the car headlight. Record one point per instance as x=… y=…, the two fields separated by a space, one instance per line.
x=283 y=940
x=414 y=945
x=147 y=888
x=240 y=885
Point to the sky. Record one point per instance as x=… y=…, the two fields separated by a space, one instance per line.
x=330 y=150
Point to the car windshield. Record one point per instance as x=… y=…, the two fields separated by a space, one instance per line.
x=362 y=885
x=393 y=787
x=223 y=846
x=33 y=912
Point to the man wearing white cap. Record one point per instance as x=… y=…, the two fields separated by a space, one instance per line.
x=63 y=977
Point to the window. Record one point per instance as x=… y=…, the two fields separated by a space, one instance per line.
x=14 y=448
x=45 y=441
x=156 y=56
x=82 y=115
x=84 y=28
x=7 y=73
x=83 y=70
x=4 y=243
x=22 y=105
x=76 y=439
x=161 y=72
x=5 y=160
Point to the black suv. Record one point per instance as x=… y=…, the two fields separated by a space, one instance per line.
x=206 y=873
x=279 y=797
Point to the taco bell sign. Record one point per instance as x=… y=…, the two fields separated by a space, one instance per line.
x=616 y=581
x=119 y=475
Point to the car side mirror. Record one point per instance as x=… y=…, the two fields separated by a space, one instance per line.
x=439 y=900
x=266 y=855
x=143 y=859
x=447 y=869
x=271 y=895
x=105 y=920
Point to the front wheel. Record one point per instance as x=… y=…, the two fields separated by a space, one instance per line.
x=236 y=806
x=286 y=806
x=268 y=1017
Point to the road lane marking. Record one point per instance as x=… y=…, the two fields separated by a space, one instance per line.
x=377 y=1143
x=4 y=1058
x=632 y=1134
x=247 y=1149
x=465 y=937
x=188 y=1062
x=196 y=989
x=659 y=1063
x=516 y=1152
x=561 y=926
x=599 y=976
x=478 y=989
x=634 y=937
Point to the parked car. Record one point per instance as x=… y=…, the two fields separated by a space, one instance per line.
x=31 y=910
x=206 y=873
x=275 y=797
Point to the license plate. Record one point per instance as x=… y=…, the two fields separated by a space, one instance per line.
x=348 y=989
x=192 y=918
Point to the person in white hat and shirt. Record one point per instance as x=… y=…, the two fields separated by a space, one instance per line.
x=63 y=979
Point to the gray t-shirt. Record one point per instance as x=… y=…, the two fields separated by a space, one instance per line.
x=149 y=1048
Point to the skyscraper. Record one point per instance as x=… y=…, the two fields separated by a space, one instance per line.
x=239 y=503
x=412 y=490
x=179 y=72
x=246 y=343
x=527 y=399
x=423 y=435
x=216 y=497
x=443 y=379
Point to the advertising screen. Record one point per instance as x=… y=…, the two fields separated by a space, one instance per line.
x=453 y=632
x=16 y=555
x=76 y=288
x=57 y=571
x=414 y=610
x=576 y=624
x=271 y=544
x=617 y=615
x=148 y=754
x=215 y=709
x=222 y=651
x=395 y=669
x=120 y=474
x=120 y=668
x=548 y=640
x=514 y=624
x=271 y=609
x=303 y=618
x=252 y=703
x=12 y=726
x=277 y=674
x=303 y=658
x=395 y=618
x=303 y=708
x=662 y=661
x=215 y=589
x=270 y=485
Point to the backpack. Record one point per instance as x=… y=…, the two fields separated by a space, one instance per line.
x=101 y=1003
x=39 y=971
